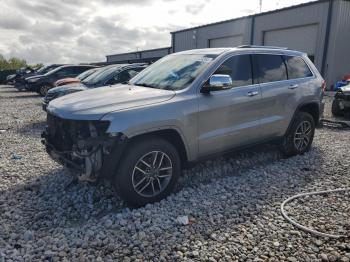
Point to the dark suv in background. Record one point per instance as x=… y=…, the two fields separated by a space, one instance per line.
x=20 y=80
x=42 y=83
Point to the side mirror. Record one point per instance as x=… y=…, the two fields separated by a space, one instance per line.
x=217 y=82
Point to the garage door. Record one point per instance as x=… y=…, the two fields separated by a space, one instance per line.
x=230 y=41
x=301 y=38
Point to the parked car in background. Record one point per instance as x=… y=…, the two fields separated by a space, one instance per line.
x=42 y=83
x=185 y=107
x=109 y=75
x=22 y=72
x=345 y=81
x=4 y=75
x=10 y=79
x=78 y=79
x=21 y=80
x=341 y=102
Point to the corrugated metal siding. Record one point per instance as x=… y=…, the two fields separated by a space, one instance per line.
x=199 y=38
x=184 y=40
x=338 y=57
x=145 y=54
x=229 y=41
x=155 y=53
x=301 y=38
x=123 y=57
x=313 y=14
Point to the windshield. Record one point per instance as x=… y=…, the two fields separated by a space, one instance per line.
x=173 y=72
x=54 y=70
x=42 y=69
x=86 y=74
x=99 y=76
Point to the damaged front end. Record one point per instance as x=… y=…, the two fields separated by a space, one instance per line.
x=79 y=144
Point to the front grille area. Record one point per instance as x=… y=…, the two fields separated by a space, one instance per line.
x=63 y=134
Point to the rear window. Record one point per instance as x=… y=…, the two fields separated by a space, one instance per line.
x=270 y=68
x=297 y=68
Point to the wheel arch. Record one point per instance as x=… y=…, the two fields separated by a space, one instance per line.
x=313 y=108
x=172 y=136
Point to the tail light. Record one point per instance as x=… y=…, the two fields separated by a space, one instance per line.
x=324 y=85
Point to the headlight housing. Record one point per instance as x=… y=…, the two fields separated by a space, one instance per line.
x=67 y=92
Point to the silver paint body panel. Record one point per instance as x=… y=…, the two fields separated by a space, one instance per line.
x=207 y=123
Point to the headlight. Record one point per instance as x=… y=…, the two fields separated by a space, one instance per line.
x=70 y=92
x=58 y=94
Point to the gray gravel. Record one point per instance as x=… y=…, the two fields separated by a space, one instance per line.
x=233 y=202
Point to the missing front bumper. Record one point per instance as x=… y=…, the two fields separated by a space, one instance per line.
x=86 y=158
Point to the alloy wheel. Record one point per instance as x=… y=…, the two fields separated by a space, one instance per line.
x=302 y=136
x=44 y=90
x=152 y=174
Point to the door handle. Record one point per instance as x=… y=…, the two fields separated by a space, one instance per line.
x=293 y=86
x=252 y=93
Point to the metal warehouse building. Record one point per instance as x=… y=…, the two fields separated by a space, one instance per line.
x=320 y=28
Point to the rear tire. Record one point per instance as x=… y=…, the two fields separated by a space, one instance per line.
x=299 y=136
x=336 y=110
x=147 y=161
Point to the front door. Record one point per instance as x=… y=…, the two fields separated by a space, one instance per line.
x=228 y=117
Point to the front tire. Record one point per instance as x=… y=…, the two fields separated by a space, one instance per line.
x=299 y=137
x=148 y=171
x=44 y=89
x=336 y=110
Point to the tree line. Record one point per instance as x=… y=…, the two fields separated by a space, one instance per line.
x=14 y=63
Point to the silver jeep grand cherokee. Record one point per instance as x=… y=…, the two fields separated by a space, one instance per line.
x=183 y=108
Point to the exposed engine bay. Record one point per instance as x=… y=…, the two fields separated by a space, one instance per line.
x=79 y=145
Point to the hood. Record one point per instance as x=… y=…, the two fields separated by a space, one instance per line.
x=67 y=88
x=345 y=88
x=66 y=80
x=33 y=77
x=93 y=104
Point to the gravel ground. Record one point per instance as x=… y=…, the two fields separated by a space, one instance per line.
x=233 y=201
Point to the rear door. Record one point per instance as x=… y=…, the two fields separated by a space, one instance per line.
x=228 y=117
x=279 y=94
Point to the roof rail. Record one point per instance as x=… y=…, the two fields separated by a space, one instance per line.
x=262 y=46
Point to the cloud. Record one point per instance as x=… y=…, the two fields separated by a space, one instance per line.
x=74 y=31
x=14 y=22
x=194 y=9
x=127 y=2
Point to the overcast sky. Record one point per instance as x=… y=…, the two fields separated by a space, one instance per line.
x=70 y=31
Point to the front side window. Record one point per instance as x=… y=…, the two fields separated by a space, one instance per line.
x=173 y=72
x=239 y=69
x=269 y=68
x=297 y=68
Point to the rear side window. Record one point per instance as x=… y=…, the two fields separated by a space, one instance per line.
x=239 y=68
x=297 y=68
x=270 y=68
x=78 y=70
